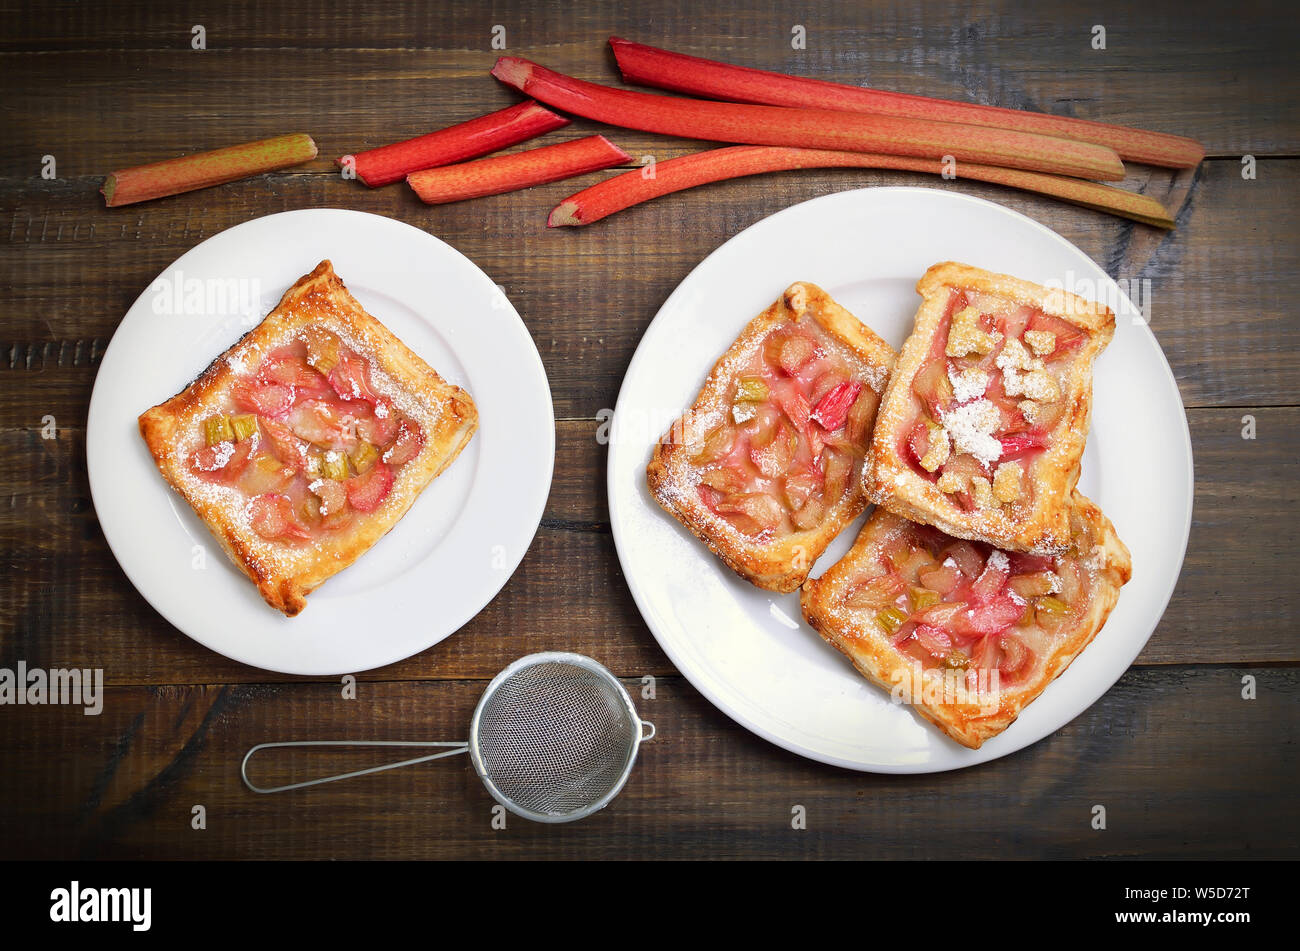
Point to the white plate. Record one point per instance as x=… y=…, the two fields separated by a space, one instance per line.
x=460 y=541
x=750 y=651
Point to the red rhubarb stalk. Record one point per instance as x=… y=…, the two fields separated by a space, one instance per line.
x=508 y=173
x=673 y=175
x=650 y=66
x=466 y=140
x=814 y=128
x=185 y=174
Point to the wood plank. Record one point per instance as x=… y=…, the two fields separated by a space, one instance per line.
x=69 y=603
x=1164 y=752
x=1235 y=87
x=82 y=266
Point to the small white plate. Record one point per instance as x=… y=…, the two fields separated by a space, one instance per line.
x=460 y=541
x=749 y=651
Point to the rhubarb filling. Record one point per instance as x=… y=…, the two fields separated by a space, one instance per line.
x=958 y=605
x=798 y=416
x=307 y=439
x=987 y=399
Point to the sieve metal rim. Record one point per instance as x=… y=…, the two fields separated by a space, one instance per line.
x=577 y=660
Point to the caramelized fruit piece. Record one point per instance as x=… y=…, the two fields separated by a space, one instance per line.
x=222 y=462
x=244 y=425
x=334 y=465
x=332 y=495
x=407 y=445
x=218 y=429
x=875 y=592
x=774 y=459
x=727 y=481
x=751 y=388
x=363 y=457
x=272 y=517
x=789 y=349
x=267 y=474
x=264 y=399
x=321 y=424
x=715 y=445
x=838 y=467
x=1015 y=655
x=322 y=348
x=933 y=639
x=890 y=619
x=800 y=484
x=941 y=579
x=286 y=447
x=293 y=371
x=861 y=417
x=763 y=510
x=923 y=598
x=832 y=411
x=1033 y=585
x=351 y=377
x=966 y=556
x=367 y=491
x=809 y=515
x=932 y=386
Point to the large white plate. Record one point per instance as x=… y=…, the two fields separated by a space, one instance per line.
x=460 y=541
x=750 y=651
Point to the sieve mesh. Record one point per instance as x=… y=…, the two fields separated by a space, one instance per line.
x=554 y=737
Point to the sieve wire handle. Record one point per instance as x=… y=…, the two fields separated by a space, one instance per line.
x=451 y=750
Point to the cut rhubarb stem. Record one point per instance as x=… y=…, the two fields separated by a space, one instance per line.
x=185 y=174
x=508 y=173
x=466 y=140
x=816 y=128
x=673 y=175
x=650 y=66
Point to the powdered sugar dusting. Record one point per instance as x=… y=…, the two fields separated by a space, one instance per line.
x=971 y=427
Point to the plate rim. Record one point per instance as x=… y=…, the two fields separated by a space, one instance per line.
x=399 y=654
x=704 y=684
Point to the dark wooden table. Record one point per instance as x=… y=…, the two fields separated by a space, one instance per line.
x=1183 y=764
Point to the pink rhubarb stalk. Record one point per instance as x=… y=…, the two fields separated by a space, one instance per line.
x=650 y=66
x=687 y=171
x=203 y=169
x=507 y=173
x=466 y=140
x=812 y=128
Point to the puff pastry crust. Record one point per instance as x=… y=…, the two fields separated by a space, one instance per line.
x=820 y=396
x=1001 y=676
x=1032 y=349
x=285 y=571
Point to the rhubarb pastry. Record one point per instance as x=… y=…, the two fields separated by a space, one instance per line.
x=765 y=467
x=983 y=425
x=968 y=634
x=307 y=441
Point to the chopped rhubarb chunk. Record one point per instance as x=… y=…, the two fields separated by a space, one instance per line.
x=273 y=517
x=265 y=399
x=222 y=462
x=367 y=491
x=1013 y=447
x=351 y=378
x=833 y=410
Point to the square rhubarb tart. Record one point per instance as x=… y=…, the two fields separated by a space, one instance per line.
x=309 y=439
x=765 y=467
x=984 y=422
x=968 y=634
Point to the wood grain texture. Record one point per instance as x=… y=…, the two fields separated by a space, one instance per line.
x=1219 y=286
x=1166 y=751
x=1231 y=92
x=71 y=605
x=1184 y=765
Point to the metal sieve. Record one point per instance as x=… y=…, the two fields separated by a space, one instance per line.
x=553 y=739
